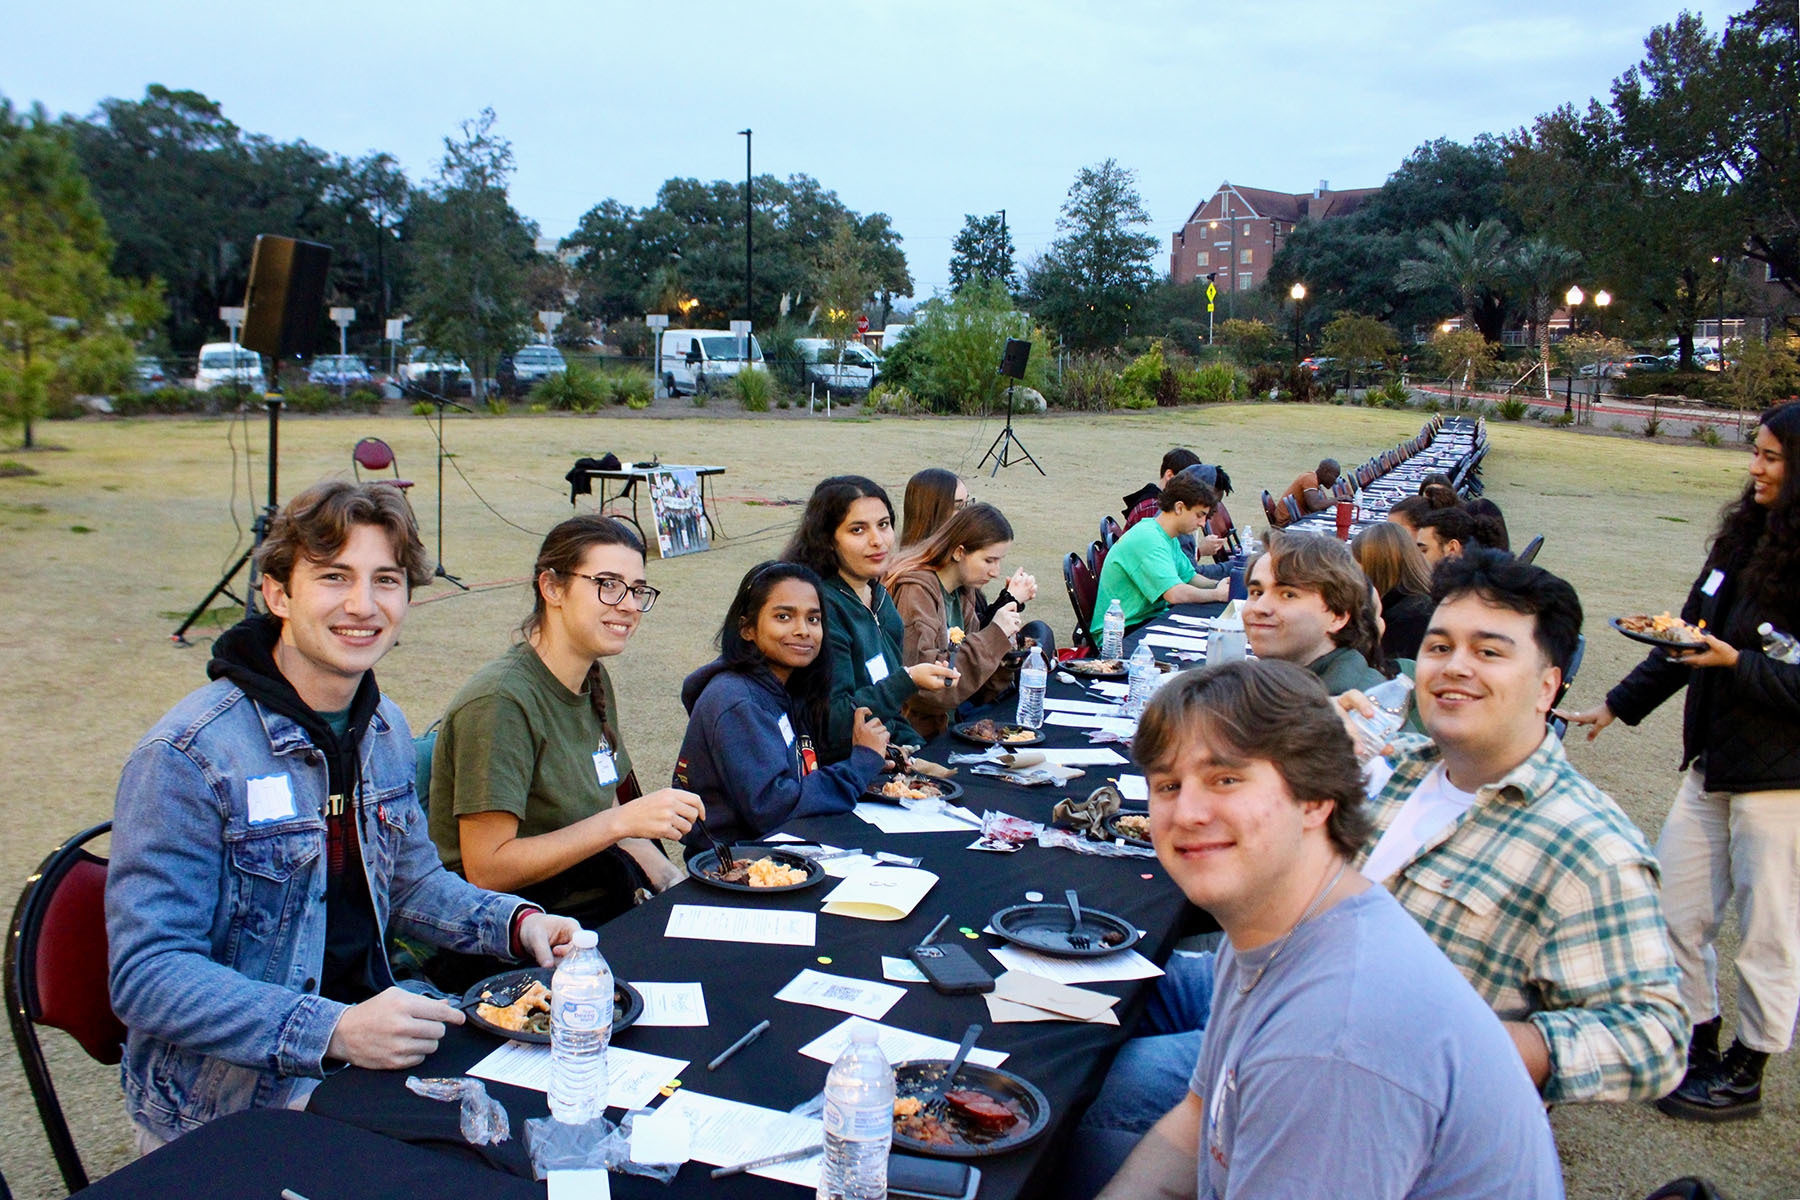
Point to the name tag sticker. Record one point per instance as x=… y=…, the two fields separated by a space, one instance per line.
x=787 y=728
x=269 y=798
x=877 y=668
x=1713 y=583
x=606 y=771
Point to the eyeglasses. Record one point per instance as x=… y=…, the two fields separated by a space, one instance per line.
x=963 y=503
x=612 y=590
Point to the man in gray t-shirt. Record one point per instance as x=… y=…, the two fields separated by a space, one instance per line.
x=1344 y=1054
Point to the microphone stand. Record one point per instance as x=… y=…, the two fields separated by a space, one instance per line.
x=443 y=402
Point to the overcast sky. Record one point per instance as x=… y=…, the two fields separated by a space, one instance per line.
x=925 y=110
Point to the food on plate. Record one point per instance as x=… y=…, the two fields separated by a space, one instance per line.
x=1112 y=937
x=987 y=731
x=910 y=787
x=761 y=873
x=1669 y=628
x=1094 y=666
x=530 y=1013
x=1133 y=825
x=908 y=1106
x=969 y=1116
x=983 y=1112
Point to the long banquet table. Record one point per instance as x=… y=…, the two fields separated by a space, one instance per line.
x=1456 y=449
x=1066 y=1060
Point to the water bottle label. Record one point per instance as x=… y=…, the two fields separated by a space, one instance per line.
x=579 y=1015
x=1034 y=679
x=858 y=1124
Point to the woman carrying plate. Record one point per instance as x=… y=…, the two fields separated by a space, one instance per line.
x=936 y=586
x=846 y=536
x=748 y=753
x=1734 y=828
x=531 y=787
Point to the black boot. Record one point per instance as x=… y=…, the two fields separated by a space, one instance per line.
x=1731 y=1091
x=1703 y=1047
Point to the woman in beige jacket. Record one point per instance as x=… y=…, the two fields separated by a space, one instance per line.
x=936 y=585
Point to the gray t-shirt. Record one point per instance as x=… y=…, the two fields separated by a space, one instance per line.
x=1362 y=1064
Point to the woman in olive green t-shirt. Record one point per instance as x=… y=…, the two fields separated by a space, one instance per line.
x=531 y=785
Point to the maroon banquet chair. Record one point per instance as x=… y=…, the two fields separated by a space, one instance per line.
x=1109 y=532
x=1083 y=587
x=56 y=976
x=373 y=454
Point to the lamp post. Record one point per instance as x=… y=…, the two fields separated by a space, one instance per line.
x=749 y=241
x=1720 y=340
x=1298 y=292
x=1573 y=298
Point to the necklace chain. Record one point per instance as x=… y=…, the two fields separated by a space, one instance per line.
x=1244 y=988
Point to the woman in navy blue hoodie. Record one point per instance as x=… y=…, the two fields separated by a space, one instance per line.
x=752 y=711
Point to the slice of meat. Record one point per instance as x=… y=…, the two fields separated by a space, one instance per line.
x=981 y=1110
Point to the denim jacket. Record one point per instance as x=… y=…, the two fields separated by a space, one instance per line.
x=215 y=903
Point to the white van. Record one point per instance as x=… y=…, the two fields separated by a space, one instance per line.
x=856 y=373
x=697 y=360
x=225 y=365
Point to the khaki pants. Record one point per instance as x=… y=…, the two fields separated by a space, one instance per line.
x=1720 y=846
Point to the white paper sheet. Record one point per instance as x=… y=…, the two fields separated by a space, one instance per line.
x=593 y=1184
x=891 y=818
x=847 y=865
x=861 y=997
x=1058 y=704
x=1123 y=726
x=782 y=837
x=1110 y=687
x=767 y=926
x=672 y=1003
x=1175 y=641
x=726 y=1133
x=662 y=1136
x=1134 y=787
x=1126 y=964
x=898 y=1045
x=1191 y=621
x=633 y=1077
x=901 y=970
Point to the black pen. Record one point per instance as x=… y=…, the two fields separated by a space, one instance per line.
x=756 y=1031
x=771 y=1160
x=930 y=937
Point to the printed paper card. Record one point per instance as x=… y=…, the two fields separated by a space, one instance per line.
x=880 y=893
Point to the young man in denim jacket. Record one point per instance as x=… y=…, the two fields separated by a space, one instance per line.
x=267 y=835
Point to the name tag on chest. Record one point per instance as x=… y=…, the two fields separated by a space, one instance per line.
x=1713 y=583
x=268 y=798
x=787 y=728
x=877 y=668
x=606 y=771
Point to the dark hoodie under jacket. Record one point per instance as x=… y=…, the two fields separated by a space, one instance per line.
x=245 y=655
x=744 y=770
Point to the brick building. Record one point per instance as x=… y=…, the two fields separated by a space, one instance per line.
x=1237 y=230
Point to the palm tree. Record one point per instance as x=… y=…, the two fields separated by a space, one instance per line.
x=1470 y=261
x=1542 y=270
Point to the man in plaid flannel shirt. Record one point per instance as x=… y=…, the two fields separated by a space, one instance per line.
x=1527 y=876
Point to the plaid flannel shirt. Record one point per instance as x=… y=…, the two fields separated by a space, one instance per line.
x=1544 y=895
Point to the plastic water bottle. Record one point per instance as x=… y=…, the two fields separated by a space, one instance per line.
x=1778 y=645
x=1112 y=631
x=859 y=1122
x=1390 y=700
x=1034 y=677
x=1142 y=676
x=581 y=1017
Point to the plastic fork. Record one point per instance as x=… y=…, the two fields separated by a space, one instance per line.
x=1077 y=939
x=940 y=1102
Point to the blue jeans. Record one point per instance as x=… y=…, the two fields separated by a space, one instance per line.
x=1148 y=1078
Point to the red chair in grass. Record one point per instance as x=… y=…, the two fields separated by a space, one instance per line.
x=373 y=454
x=56 y=976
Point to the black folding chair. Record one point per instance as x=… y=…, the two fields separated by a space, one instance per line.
x=1557 y=725
x=1531 y=549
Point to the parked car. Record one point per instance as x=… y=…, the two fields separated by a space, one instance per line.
x=697 y=360
x=529 y=365
x=857 y=372
x=435 y=372
x=1318 y=365
x=340 y=371
x=222 y=364
x=148 y=374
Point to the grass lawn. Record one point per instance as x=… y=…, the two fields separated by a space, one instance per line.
x=127 y=524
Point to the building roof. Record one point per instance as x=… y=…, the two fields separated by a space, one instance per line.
x=1291 y=207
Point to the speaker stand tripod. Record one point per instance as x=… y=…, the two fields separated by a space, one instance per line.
x=259 y=529
x=443 y=402
x=1001 y=450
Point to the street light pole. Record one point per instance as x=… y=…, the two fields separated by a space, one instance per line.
x=1298 y=292
x=749 y=230
x=1573 y=298
x=1720 y=340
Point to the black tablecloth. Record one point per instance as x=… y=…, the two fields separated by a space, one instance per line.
x=1065 y=1059
x=253 y=1155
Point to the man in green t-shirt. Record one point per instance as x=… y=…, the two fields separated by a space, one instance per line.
x=1146 y=571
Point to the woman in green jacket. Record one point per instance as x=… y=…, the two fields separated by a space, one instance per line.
x=846 y=535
